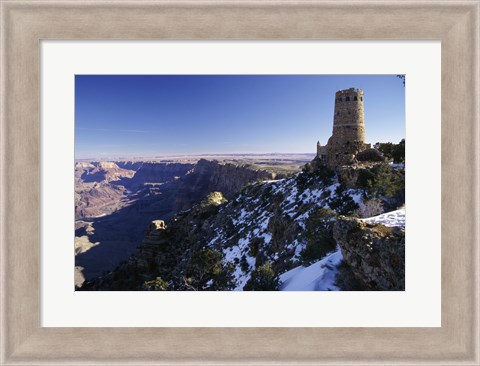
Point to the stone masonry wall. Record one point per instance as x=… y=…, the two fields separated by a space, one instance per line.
x=348 y=136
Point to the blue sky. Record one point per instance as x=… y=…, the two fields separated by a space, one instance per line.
x=154 y=115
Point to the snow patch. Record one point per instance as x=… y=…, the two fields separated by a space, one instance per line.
x=319 y=276
x=392 y=218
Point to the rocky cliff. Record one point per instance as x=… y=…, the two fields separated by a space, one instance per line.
x=156 y=172
x=208 y=176
x=119 y=212
x=270 y=232
x=98 y=199
x=374 y=252
x=104 y=171
x=265 y=236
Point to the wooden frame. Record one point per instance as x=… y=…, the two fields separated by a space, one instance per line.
x=25 y=23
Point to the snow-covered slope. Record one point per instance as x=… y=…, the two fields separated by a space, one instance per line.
x=320 y=276
x=269 y=220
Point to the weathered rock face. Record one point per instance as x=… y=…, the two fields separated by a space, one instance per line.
x=157 y=173
x=104 y=171
x=156 y=232
x=82 y=168
x=375 y=253
x=130 y=165
x=97 y=199
x=348 y=175
x=208 y=176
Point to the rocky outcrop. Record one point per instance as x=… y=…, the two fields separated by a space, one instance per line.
x=371 y=154
x=348 y=175
x=156 y=232
x=83 y=244
x=104 y=171
x=375 y=253
x=82 y=168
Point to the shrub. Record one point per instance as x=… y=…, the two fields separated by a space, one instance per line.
x=396 y=152
x=229 y=228
x=158 y=284
x=342 y=203
x=254 y=245
x=206 y=271
x=365 y=179
x=263 y=278
x=244 y=264
x=311 y=174
x=304 y=180
x=370 y=207
x=383 y=182
x=319 y=235
x=325 y=174
x=283 y=229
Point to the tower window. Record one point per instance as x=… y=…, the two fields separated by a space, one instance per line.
x=361 y=98
x=347 y=99
x=355 y=98
x=339 y=99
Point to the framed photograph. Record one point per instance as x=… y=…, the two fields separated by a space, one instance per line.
x=239 y=183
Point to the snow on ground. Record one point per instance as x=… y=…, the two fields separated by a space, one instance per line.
x=319 y=276
x=393 y=218
x=356 y=194
x=397 y=165
x=251 y=221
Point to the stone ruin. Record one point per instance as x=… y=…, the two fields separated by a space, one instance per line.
x=348 y=135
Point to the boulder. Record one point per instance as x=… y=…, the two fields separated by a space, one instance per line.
x=370 y=155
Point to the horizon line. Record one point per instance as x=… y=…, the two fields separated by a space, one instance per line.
x=195 y=155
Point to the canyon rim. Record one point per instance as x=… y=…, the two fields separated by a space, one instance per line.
x=240 y=183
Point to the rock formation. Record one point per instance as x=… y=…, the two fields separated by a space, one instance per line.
x=104 y=171
x=157 y=172
x=156 y=232
x=375 y=253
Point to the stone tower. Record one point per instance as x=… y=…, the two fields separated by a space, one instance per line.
x=348 y=136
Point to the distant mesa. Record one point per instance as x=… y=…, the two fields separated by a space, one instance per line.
x=348 y=135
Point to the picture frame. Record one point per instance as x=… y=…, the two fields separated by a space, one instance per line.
x=26 y=23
